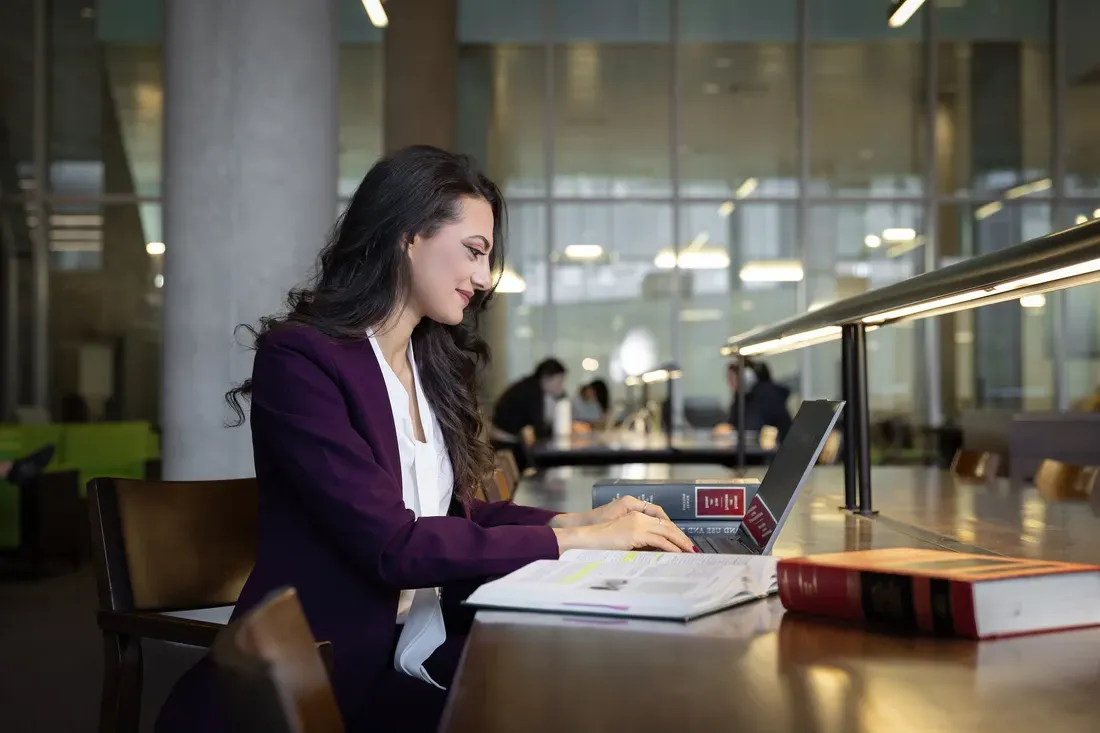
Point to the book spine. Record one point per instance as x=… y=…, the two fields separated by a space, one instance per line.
x=902 y=602
x=721 y=504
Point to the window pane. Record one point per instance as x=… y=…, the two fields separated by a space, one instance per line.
x=502 y=114
x=1082 y=117
x=853 y=248
x=117 y=307
x=739 y=117
x=867 y=135
x=998 y=355
x=611 y=289
x=16 y=111
x=360 y=114
x=993 y=121
x=612 y=103
x=522 y=289
x=740 y=269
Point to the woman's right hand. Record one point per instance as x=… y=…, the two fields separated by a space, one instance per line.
x=632 y=531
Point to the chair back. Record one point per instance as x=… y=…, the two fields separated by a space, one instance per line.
x=171 y=545
x=1057 y=481
x=975 y=465
x=274 y=675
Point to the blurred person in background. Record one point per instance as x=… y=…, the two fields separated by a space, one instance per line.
x=592 y=403
x=765 y=400
x=530 y=402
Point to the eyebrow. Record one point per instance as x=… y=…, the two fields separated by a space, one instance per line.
x=476 y=237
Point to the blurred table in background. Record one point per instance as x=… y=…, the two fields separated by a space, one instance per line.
x=617 y=448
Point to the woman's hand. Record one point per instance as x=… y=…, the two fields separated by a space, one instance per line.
x=633 y=530
x=608 y=513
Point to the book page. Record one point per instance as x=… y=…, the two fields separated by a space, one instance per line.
x=673 y=589
x=763 y=567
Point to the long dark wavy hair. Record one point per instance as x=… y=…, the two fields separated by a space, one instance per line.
x=363 y=278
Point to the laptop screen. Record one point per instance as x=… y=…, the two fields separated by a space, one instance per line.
x=789 y=468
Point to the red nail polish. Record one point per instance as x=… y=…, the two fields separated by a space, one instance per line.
x=696 y=549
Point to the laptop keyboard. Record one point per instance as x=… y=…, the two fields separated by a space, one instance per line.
x=719 y=545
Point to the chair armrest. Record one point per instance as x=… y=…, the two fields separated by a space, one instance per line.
x=151 y=625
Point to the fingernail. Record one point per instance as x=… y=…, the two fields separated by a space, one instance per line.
x=695 y=549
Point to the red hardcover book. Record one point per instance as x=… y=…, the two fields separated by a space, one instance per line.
x=944 y=593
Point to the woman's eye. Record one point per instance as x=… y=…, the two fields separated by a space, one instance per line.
x=475 y=252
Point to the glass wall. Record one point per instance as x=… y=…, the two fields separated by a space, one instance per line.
x=677 y=171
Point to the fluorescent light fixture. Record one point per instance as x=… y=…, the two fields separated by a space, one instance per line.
x=583 y=251
x=1038 y=300
x=633 y=381
x=158 y=281
x=376 y=13
x=772 y=271
x=1016 y=192
x=903 y=12
x=700 y=315
x=988 y=210
x=794 y=341
x=899 y=234
x=872 y=241
x=1096 y=213
x=60 y=235
x=510 y=282
x=155 y=248
x=1038 y=280
x=661 y=375
x=746 y=188
x=76 y=220
x=726 y=209
x=1081 y=219
x=713 y=259
x=590 y=364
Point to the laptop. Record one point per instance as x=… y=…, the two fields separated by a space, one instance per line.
x=781 y=485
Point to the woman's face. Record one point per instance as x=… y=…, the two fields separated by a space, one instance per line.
x=452 y=264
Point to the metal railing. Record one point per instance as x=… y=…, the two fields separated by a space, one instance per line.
x=1054 y=262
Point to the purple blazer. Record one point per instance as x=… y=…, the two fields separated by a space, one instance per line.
x=332 y=522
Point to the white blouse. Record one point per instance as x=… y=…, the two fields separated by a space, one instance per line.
x=427 y=484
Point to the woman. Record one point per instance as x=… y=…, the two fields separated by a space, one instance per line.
x=367 y=447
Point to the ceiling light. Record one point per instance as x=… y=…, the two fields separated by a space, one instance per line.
x=726 y=209
x=1038 y=300
x=158 y=281
x=772 y=271
x=1081 y=219
x=590 y=364
x=155 y=248
x=872 y=240
x=376 y=13
x=713 y=259
x=901 y=234
x=583 y=251
x=746 y=188
x=903 y=11
x=510 y=282
x=988 y=210
x=1016 y=192
x=1096 y=213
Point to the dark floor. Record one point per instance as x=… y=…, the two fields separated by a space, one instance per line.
x=51 y=661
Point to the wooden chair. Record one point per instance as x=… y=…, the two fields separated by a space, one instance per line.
x=506 y=461
x=1057 y=481
x=497 y=489
x=162 y=547
x=975 y=465
x=276 y=678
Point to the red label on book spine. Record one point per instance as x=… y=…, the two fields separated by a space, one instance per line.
x=724 y=502
x=759 y=521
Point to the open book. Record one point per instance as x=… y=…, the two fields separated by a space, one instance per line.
x=659 y=585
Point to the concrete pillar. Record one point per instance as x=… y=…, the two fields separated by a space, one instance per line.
x=250 y=141
x=421 y=66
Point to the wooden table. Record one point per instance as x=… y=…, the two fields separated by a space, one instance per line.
x=755 y=668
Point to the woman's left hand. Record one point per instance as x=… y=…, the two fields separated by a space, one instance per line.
x=608 y=513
